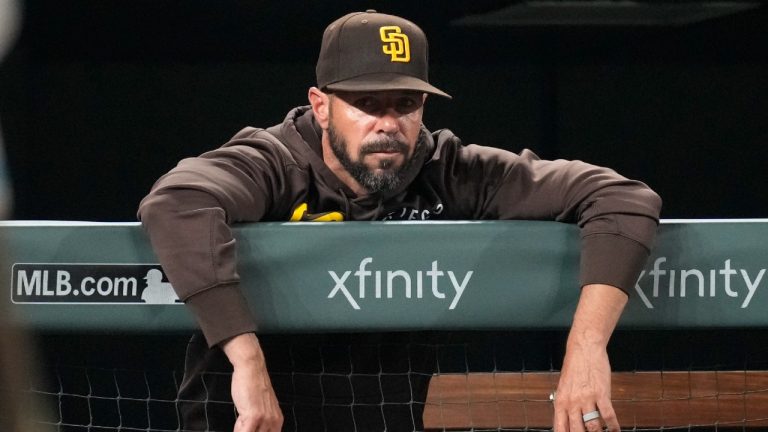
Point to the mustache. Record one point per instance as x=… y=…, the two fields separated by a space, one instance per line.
x=384 y=145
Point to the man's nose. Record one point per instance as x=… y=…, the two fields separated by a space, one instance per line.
x=388 y=122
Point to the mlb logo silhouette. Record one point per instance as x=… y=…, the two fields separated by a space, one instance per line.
x=157 y=291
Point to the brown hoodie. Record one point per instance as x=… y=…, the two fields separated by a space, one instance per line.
x=279 y=175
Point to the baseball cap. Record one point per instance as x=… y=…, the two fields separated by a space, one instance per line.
x=371 y=51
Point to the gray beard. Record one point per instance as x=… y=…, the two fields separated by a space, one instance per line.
x=389 y=178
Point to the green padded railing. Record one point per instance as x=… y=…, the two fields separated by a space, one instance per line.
x=357 y=276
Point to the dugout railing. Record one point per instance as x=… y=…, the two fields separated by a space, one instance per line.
x=689 y=353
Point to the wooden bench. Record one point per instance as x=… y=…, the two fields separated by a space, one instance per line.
x=641 y=399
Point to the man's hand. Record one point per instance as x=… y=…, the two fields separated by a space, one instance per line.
x=585 y=379
x=252 y=393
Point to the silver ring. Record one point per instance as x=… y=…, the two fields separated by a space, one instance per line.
x=591 y=416
x=552 y=396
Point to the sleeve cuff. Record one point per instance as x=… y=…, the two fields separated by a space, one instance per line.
x=612 y=260
x=221 y=312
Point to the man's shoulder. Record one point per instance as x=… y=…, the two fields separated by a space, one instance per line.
x=255 y=133
x=450 y=146
x=282 y=138
x=261 y=140
x=247 y=132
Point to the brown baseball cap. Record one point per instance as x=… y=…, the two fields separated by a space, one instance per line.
x=371 y=51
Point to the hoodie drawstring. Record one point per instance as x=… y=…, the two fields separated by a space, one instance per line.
x=347 y=206
x=379 y=208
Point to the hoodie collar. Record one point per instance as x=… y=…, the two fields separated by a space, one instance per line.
x=300 y=125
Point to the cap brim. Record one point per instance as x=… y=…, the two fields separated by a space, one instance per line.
x=386 y=81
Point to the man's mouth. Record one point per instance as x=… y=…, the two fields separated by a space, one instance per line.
x=385 y=148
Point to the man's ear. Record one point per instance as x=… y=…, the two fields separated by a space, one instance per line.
x=320 y=103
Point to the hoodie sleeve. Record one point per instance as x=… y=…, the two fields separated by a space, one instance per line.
x=187 y=216
x=617 y=217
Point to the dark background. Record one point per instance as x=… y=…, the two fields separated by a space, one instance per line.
x=98 y=98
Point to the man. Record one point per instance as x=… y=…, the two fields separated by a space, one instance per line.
x=359 y=151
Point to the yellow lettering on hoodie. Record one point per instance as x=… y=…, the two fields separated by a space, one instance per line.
x=300 y=214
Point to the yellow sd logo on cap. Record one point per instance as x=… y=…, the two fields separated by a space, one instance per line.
x=395 y=44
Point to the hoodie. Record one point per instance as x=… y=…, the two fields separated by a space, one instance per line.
x=278 y=174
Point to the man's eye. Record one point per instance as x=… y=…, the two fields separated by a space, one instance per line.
x=366 y=104
x=407 y=105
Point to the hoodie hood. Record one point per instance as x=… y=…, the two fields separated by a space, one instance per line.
x=303 y=136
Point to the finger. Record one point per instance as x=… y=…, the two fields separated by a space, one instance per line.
x=277 y=424
x=242 y=424
x=575 y=421
x=594 y=425
x=256 y=424
x=591 y=420
x=561 y=421
x=270 y=424
x=609 y=417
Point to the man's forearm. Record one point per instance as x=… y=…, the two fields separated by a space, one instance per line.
x=252 y=393
x=584 y=388
x=597 y=314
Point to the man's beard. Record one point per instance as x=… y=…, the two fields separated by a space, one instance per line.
x=389 y=177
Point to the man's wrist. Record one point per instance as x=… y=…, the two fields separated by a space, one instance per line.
x=597 y=314
x=243 y=349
